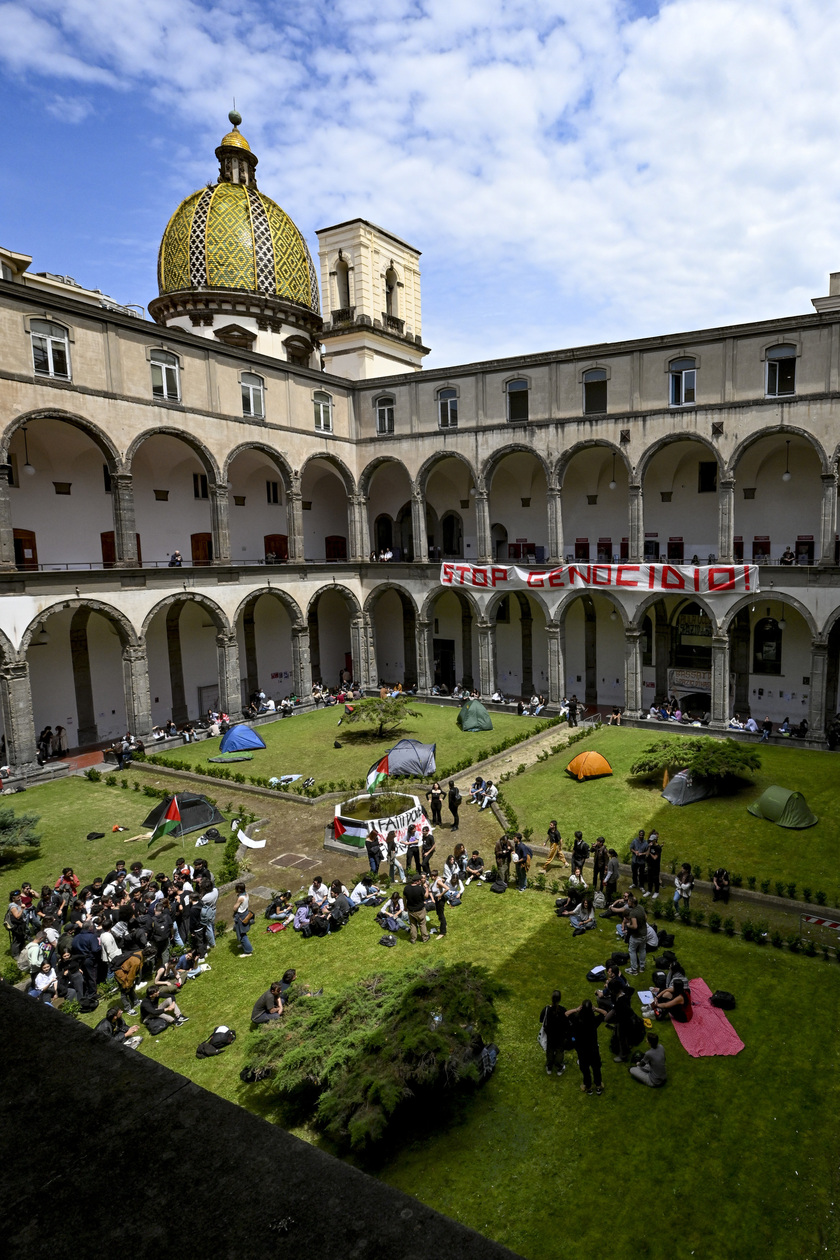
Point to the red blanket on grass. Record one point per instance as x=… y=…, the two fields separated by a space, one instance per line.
x=709 y=1031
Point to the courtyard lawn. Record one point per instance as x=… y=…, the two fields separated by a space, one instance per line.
x=735 y=1156
x=304 y=744
x=710 y=833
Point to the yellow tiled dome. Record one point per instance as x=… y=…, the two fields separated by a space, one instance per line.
x=236 y=140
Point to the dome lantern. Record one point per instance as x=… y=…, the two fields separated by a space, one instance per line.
x=237 y=164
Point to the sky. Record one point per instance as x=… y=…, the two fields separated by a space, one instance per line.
x=572 y=172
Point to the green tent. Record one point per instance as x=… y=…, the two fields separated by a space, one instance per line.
x=783 y=807
x=473 y=716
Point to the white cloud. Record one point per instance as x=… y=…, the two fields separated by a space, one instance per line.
x=571 y=172
x=70 y=109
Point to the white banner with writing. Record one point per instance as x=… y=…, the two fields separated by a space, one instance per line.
x=712 y=579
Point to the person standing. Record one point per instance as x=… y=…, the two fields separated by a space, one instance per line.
x=454 y=802
x=523 y=862
x=555 y=845
x=415 y=904
x=610 y=883
x=636 y=921
x=600 y=857
x=683 y=886
x=580 y=851
x=87 y=949
x=651 y=1069
x=396 y=870
x=243 y=917
x=438 y=889
x=555 y=1026
x=503 y=853
x=654 y=864
x=428 y=847
x=435 y=796
x=573 y=711
x=412 y=841
x=374 y=850
x=638 y=860
x=585 y=1024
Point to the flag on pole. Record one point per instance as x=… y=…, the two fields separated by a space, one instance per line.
x=169 y=823
x=377 y=773
x=346 y=827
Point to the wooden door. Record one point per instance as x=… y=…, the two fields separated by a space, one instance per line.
x=276 y=545
x=202 y=548
x=26 y=552
x=109 y=549
x=335 y=547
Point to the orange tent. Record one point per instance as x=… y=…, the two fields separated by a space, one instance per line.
x=589 y=765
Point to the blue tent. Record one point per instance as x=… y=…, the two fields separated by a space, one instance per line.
x=240 y=739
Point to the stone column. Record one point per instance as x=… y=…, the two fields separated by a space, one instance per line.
x=301 y=667
x=636 y=524
x=817 y=696
x=230 y=688
x=357 y=519
x=18 y=719
x=556 y=636
x=7 y=537
x=425 y=657
x=726 y=519
x=482 y=522
x=220 y=523
x=828 y=519
x=486 y=657
x=555 y=525
x=633 y=672
x=418 y=525
x=125 y=525
x=720 y=682
x=138 y=699
x=361 y=651
x=294 y=523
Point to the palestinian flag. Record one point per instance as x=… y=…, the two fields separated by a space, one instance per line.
x=170 y=821
x=349 y=831
x=377 y=773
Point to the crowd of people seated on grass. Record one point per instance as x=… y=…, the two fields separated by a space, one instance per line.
x=130 y=929
x=671 y=710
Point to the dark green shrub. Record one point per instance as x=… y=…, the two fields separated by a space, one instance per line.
x=699 y=918
x=751 y=883
x=669 y=912
x=791 y=891
x=135 y=783
x=715 y=921
x=554 y=887
x=826 y=953
x=685 y=915
x=94 y=777
x=539 y=882
x=736 y=880
x=729 y=927
x=794 y=943
x=821 y=897
x=780 y=888
x=111 y=780
x=761 y=931
x=810 y=949
x=806 y=894
x=776 y=939
x=765 y=886
x=747 y=930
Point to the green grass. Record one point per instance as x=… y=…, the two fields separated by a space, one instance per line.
x=304 y=744
x=710 y=833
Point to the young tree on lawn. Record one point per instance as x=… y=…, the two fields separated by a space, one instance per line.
x=704 y=757
x=387 y=715
x=17 y=830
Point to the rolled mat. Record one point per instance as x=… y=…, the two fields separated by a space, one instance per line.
x=709 y=1031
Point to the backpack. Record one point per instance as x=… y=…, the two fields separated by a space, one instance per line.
x=388 y=941
x=388 y=921
x=89 y=1003
x=222 y=1037
x=498 y=886
x=725 y=1001
x=599 y=901
x=276 y=927
x=665 y=938
x=457 y=795
x=156 y=1025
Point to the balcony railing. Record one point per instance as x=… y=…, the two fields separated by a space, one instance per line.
x=344 y=315
x=393 y=324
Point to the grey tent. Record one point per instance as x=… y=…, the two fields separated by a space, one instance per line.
x=473 y=716
x=783 y=807
x=197 y=814
x=685 y=789
x=409 y=756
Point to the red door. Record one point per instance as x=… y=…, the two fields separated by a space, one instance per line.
x=109 y=549
x=26 y=553
x=335 y=547
x=202 y=548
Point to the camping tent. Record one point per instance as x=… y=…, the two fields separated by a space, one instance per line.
x=197 y=814
x=783 y=807
x=473 y=716
x=409 y=756
x=240 y=739
x=589 y=765
x=685 y=788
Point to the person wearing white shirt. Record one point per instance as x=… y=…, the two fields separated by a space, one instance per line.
x=751 y=725
x=490 y=794
x=365 y=892
x=318 y=891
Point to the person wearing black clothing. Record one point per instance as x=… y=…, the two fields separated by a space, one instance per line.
x=150 y=1008
x=580 y=851
x=268 y=1007
x=503 y=853
x=720 y=885
x=600 y=857
x=435 y=795
x=654 y=863
x=412 y=840
x=87 y=949
x=415 y=904
x=555 y=1026
x=585 y=1023
x=115 y=1027
x=70 y=977
x=340 y=909
x=428 y=845
x=454 y=802
x=573 y=711
x=374 y=851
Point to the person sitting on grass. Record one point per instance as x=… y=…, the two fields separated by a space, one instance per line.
x=475 y=867
x=168 y=977
x=341 y=906
x=280 y=908
x=318 y=891
x=476 y=789
x=583 y=918
x=576 y=888
x=454 y=888
x=451 y=867
x=616 y=983
x=651 y=1069
x=303 y=918
x=392 y=916
x=366 y=893
x=45 y=986
x=269 y=1006
x=114 y=1027
x=150 y=1008
x=674 y=1001
x=488 y=796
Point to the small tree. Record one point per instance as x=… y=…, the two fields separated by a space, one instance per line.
x=17 y=830
x=386 y=715
x=707 y=758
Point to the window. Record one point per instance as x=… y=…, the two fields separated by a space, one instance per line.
x=517 y=400
x=781 y=371
x=767 y=647
x=594 y=392
x=200 y=490
x=50 y=349
x=384 y=415
x=707 y=476
x=272 y=492
x=165 y=383
x=448 y=408
x=323 y=411
x=683 y=381
x=253 y=395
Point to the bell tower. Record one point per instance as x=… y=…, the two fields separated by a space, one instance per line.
x=370 y=296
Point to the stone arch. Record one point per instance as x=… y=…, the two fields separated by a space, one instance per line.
x=827 y=626
x=206 y=459
x=185 y=597
x=655 y=447
x=644 y=607
x=382 y=589
x=559 y=614
x=532 y=592
x=93 y=431
x=366 y=475
x=774 y=596
x=781 y=431
x=127 y=634
x=274 y=456
x=492 y=462
x=464 y=597
x=8 y=655
x=428 y=466
x=589 y=444
x=291 y=605
x=338 y=464
x=353 y=605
